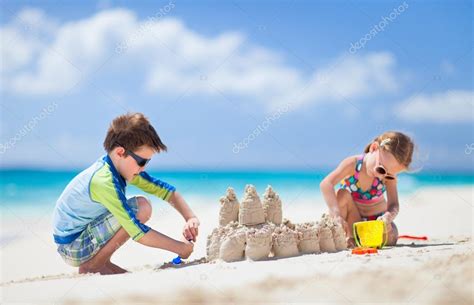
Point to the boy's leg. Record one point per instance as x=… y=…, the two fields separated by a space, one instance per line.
x=101 y=261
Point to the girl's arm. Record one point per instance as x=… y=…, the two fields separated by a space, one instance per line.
x=344 y=169
x=392 y=200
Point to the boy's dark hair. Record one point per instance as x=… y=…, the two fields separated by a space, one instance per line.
x=131 y=131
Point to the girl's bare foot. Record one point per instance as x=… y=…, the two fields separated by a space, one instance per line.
x=351 y=243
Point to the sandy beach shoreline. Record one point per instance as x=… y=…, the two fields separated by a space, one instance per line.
x=283 y=152
x=437 y=271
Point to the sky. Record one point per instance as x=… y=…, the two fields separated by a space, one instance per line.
x=237 y=84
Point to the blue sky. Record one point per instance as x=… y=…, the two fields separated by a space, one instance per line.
x=291 y=84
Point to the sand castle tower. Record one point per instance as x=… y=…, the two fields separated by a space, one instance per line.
x=339 y=236
x=213 y=244
x=229 y=208
x=272 y=206
x=251 y=209
x=226 y=243
x=285 y=242
x=309 y=238
x=232 y=245
x=328 y=240
x=259 y=242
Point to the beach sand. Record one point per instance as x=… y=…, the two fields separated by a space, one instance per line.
x=437 y=271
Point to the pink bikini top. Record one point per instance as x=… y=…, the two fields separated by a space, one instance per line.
x=351 y=183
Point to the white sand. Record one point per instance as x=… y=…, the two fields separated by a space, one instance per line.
x=439 y=271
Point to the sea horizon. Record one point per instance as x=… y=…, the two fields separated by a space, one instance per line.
x=34 y=188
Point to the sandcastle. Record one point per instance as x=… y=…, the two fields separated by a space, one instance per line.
x=256 y=231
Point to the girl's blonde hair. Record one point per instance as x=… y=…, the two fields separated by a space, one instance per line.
x=398 y=144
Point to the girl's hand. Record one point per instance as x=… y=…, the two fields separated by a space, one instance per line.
x=191 y=229
x=338 y=219
x=386 y=218
x=382 y=218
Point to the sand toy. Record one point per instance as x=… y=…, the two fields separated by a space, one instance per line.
x=370 y=233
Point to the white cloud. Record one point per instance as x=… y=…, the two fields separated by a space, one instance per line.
x=352 y=77
x=444 y=107
x=447 y=68
x=20 y=41
x=176 y=58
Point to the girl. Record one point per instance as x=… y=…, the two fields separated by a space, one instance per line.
x=365 y=179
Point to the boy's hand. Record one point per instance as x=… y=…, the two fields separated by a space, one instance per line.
x=191 y=229
x=188 y=248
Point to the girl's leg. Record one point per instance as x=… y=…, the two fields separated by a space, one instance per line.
x=392 y=235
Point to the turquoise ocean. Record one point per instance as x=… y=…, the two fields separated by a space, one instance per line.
x=32 y=190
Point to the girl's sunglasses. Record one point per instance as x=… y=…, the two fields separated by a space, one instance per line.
x=140 y=161
x=380 y=169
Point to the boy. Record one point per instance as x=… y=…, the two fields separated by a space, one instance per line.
x=93 y=218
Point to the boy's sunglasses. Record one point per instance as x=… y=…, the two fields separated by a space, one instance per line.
x=140 y=161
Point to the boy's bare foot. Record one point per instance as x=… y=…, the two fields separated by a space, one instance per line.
x=102 y=270
x=107 y=268
x=116 y=269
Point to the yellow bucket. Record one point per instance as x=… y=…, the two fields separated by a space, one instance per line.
x=370 y=233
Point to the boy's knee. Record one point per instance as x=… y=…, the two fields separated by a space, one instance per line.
x=144 y=209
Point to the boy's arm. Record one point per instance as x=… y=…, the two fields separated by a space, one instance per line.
x=156 y=239
x=153 y=186
x=168 y=193
x=103 y=190
x=190 y=231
